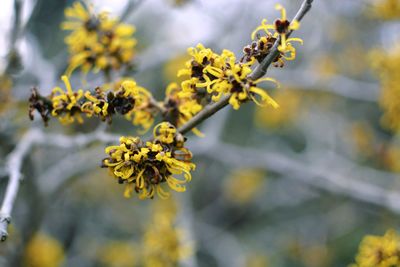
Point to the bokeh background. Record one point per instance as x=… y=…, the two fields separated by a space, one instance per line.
x=297 y=186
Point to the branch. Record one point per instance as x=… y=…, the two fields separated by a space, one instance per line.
x=261 y=69
x=204 y=114
x=16 y=157
x=258 y=72
x=13 y=167
x=338 y=182
x=130 y=8
x=14 y=60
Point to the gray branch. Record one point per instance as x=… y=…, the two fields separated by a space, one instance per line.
x=15 y=159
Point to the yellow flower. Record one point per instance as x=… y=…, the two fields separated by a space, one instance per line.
x=145 y=167
x=281 y=27
x=379 y=251
x=144 y=112
x=181 y=106
x=232 y=78
x=165 y=132
x=66 y=104
x=201 y=57
x=128 y=99
x=43 y=251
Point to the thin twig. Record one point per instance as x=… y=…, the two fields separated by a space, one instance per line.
x=16 y=157
x=261 y=69
x=204 y=114
x=159 y=106
x=258 y=72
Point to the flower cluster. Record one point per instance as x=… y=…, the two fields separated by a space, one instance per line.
x=262 y=44
x=212 y=75
x=145 y=166
x=129 y=99
x=379 y=251
x=97 y=41
x=388 y=66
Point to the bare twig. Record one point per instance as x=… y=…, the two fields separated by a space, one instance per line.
x=14 y=164
x=204 y=114
x=16 y=157
x=258 y=72
x=159 y=106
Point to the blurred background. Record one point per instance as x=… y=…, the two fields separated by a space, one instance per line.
x=296 y=186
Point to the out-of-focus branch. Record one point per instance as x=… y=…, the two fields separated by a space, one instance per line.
x=219 y=243
x=16 y=157
x=130 y=8
x=258 y=72
x=342 y=181
x=14 y=60
x=336 y=84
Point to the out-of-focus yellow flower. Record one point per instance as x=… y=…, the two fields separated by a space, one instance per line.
x=363 y=138
x=43 y=251
x=97 y=41
x=316 y=256
x=164 y=244
x=244 y=185
x=387 y=66
x=379 y=251
x=118 y=254
x=273 y=118
x=391 y=158
x=5 y=92
x=353 y=60
x=325 y=66
x=385 y=9
x=257 y=260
